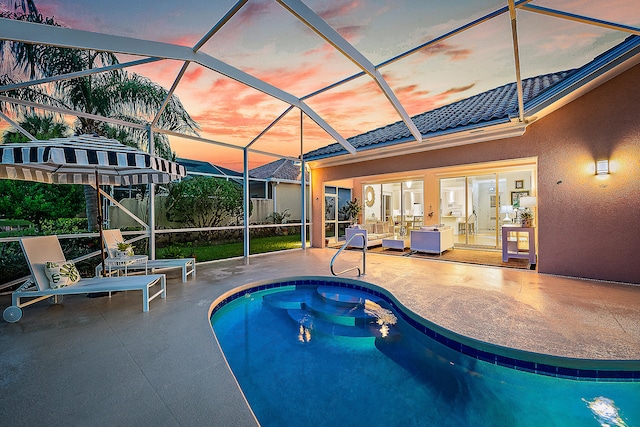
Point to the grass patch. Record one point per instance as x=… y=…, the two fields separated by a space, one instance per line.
x=212 y=252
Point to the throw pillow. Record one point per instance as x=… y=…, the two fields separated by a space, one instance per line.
x=61 y=274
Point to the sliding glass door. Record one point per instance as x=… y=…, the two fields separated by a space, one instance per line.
x=399 y=203
x=476 y=207
x=485 y=197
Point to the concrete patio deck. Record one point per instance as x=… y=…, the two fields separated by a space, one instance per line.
x=102 y=361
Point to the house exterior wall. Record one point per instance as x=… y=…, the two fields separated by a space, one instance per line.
x=587 y=225
x=289 y=196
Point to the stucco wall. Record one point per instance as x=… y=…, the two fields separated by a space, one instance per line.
x=588 y=226
x=289 y=196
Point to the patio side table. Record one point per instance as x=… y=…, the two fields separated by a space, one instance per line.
x=123 y=263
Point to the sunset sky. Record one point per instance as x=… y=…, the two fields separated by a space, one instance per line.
x=266 y=41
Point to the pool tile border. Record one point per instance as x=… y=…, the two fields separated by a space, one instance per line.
x=546 y=369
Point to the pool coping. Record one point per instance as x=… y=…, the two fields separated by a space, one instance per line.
x=580 y=369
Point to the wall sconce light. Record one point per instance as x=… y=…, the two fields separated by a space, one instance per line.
x=602 y=167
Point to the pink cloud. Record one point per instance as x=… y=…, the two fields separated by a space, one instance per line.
x=182 y=40
x=193 y=74
x=568 y=42
x=250 y=13
x=443 y=48
x=338 y=9
x=351 y=33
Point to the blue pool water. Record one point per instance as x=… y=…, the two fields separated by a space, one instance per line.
x=316 y=356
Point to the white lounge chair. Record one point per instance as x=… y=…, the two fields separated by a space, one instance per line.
x=112 y=237
x=42 y=249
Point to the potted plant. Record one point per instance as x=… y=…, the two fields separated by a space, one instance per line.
x=526 y=218
x=124 y=249
x=280 y=218
x=352 y=210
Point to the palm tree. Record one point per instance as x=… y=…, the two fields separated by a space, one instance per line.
x=41 y=127
x=115 y=94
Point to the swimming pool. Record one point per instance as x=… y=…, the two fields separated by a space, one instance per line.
x=311 y=351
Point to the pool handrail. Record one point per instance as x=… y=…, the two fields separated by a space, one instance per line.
x=364 y=256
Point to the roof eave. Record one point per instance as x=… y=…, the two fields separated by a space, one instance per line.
x=497 y=129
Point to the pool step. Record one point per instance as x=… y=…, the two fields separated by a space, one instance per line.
x=349 y=315
x=323 y=310
x=316 y=324
x=289 y=299
x=348 y=297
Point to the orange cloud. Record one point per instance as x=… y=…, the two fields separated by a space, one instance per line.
x=250 y=13
x=338 y=9
x=182 y=40
x=351 y=33
x=447 y=49
x=456 y=90
x=193 y=74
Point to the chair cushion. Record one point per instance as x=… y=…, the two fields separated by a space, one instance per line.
x=61 y=273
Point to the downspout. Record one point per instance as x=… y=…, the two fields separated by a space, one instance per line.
x=274 y=191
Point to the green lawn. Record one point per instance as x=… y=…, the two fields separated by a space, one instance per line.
x=258 y=245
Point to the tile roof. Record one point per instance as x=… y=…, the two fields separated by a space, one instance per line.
x=494 y=106
x=499 y=104
x=201 y=167
x=283 y=169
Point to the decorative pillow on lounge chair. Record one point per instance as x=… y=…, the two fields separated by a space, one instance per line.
x=61 y=274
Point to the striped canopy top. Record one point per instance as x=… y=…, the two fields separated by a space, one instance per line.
x=75 y=160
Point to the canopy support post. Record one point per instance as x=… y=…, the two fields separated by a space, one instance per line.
x=246 y=203
x=303 y=181
x=152 y=204
x=99 y=220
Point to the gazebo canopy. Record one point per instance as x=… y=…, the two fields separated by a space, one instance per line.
x=278 y=78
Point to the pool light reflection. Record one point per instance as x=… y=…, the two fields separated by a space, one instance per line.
x=605 y=412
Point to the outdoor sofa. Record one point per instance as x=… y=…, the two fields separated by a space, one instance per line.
x=432 y=239
x=373 y=233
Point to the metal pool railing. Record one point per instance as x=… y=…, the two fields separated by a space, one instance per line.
x=364 y=256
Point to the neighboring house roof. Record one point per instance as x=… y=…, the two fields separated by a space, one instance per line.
x=499 y=105
x=282 y=169
x=197 y=167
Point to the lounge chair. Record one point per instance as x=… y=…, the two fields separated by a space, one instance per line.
x=112 y=237
x=42 y=249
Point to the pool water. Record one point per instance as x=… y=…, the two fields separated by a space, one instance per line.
x=315 y=356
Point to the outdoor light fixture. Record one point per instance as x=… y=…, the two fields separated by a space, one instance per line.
x=602 y=167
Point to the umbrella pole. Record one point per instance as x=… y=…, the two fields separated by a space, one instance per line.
x=99 y=199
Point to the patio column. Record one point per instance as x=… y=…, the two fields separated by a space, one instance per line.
x=303 y=172
x=245 y=187
x=152 y=205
